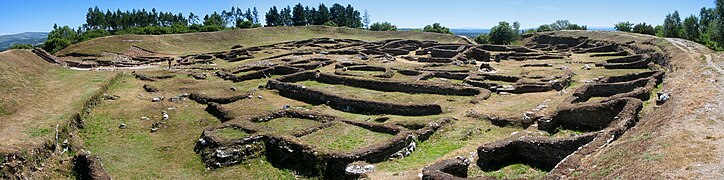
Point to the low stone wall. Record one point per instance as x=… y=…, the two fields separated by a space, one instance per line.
x=591 y=116
x=538 y=152
x=477 y=54
x=455 y=169
x=627 y=59
x=288 y=152
x=392 y=86
x=149 y=88
x=617 y=53
x=204 y=99
x=48 y=57
x=152 y=78
x=218 y=111
x=640 y=64
x=428 y=130
x=638 y=85
x=608 y=120
x=659 y=75
x=276 y=70
x=87 y=166
x=449 y=75
x=435 y=60
x=221 y=153
x=604 y=48
x=304 y=94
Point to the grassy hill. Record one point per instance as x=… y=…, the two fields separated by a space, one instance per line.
x=39 y=95
x=194 y=43
x=22 y=38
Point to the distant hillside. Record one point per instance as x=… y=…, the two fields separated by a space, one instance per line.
x=22 y=38
x=193 y=43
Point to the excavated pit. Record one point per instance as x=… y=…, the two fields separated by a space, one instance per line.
x=601 y=121
x=290 y=152
x=602 y=109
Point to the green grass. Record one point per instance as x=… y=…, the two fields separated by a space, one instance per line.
x=365 y=73
x=454 y=81
x=4 y=112
x=653 y=157
x=289 y=125
x=515 y=171
x=344 y=137
x=39 y=132
x=230 y=133
x=426 y=152
x=652 y=98
x=603 y=172
x=136 y=153
x=562 y=133
x=362 y=93
x=466 y=135
x=194 y=43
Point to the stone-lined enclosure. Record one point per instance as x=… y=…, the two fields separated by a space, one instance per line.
x=292 y=103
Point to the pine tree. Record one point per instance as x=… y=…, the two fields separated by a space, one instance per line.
x=672 y=25
x=256 y=16
x=272 y=17
x=691 y=28
x=366 y=20
x=298 y=18
x=322 y=16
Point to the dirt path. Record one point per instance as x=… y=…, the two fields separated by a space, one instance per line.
x=696 y=49
x=700 y=131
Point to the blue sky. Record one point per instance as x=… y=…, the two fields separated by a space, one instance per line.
x=35 y=15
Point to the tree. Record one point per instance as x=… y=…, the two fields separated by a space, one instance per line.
x=244 y=24
x=94 y=33
x=503 y=33
x=309 y=15
x=322 y=16
x=366 y=20
x=437 y=28
x=352 y=17
x=516 y=29
x=64 y=32
x=286 y=16
x=557 y=26
x=298 y=15
x=624 y=26
x=56 y=44
x=193 y=18
x=672 y=25
x=330 y=23
x=706 y=16
x=691 y=28
x=214 y=20
x=560 y=25
x=659 y=29
x=717 y=32
x=255 y=14
x=383 y=26
x=337 y=14
x=482 y=39
x=272 y=17
x=643 y=28
x=544 y=28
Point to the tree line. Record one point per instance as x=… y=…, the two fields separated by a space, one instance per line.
x=507 y=33
x=299 y=15
x=105 y=23
x=706 y=29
